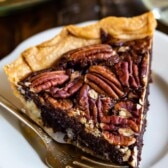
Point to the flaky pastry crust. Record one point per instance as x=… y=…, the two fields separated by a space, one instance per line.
x=72 y=37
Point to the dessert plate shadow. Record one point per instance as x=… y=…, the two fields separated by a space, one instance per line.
x=15 y=149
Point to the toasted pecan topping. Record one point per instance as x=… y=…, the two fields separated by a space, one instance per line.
x=47 y=80
x=106 y=94
x=89 y=55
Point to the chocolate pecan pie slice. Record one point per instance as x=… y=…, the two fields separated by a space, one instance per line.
x=91 y=83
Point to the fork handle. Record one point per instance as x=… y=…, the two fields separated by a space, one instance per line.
x=6 y=104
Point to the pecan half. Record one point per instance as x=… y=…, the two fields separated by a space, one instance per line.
x=95 y=107
x=117 y=120
x=46 y=80
x=118 y=139
x=89 y=54
x=63 y=104
x=128 y=73
x=67 y=91
x=104 y=104
x=93 y=110
x=87 y=103
x=122 y=72
x=104 y=81
x=101 y=84
x=106 y=73
x=84 y=99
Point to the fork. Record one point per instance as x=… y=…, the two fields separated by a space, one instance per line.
x=53 y=154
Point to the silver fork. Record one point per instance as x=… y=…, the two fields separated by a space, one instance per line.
x=54 y=154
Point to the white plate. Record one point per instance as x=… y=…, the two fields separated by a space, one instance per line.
x=15 y=151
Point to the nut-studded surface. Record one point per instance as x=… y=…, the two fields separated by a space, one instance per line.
x=100 y=86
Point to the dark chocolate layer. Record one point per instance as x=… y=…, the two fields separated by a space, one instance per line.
x=59 y=121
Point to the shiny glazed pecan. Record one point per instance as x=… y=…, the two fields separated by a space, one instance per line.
x=104 y=81
x=117 y=120
x=63 y=104
x=101 y=84
x=94 y=106
x=128 y=73
x=46 y=80
x=106 y=73
x=67 y=91
x=90 y=54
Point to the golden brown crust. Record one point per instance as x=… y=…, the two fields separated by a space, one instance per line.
x=17 y=70
x=71 y=37
x=118 y=27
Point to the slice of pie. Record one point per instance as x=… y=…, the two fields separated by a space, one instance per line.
x=91 y=83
